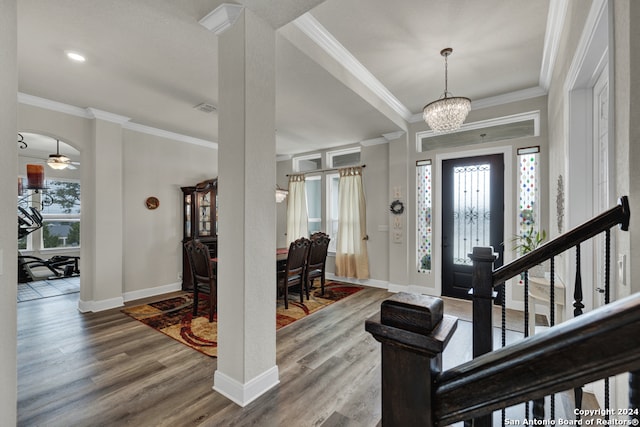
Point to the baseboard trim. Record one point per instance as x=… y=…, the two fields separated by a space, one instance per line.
x=367 y=282
x=152 y=292
x=243 y=394
x=101 y=305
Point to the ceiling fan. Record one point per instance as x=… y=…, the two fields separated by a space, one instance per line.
x=60 y=161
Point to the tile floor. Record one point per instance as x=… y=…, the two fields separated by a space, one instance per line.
x=48 y=288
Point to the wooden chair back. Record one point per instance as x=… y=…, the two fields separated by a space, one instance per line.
x=203 y=273
x=294 y=272
x=317 y=258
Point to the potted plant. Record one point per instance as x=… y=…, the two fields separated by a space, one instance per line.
x=528 y=241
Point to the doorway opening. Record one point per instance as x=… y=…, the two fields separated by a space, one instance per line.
x=48 y=208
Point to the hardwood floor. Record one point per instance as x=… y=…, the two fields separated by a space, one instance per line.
x=106 y=369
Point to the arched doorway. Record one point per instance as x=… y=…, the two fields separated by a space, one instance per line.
x=48 y=217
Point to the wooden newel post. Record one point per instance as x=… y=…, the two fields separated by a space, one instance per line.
x=483 y=296
x=414 y=333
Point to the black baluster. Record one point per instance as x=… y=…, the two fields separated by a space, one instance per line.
x=526 y=304
x=526 y=325
x=634 y=395
x=577 y=311
x=552 y=318
x=503 y=306
x=538 y=409
x=607 y=290
x=577 y=291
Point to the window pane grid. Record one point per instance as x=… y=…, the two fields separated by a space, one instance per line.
x=423 y=246
x=528 y=185
x=471 y=210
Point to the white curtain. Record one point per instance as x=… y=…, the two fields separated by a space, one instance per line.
x=352 y=259
x=297 y=218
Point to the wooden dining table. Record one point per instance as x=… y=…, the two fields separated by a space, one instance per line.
x=281 y=257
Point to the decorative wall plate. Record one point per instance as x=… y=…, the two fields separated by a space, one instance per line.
x=152 y=203
x=396 y=207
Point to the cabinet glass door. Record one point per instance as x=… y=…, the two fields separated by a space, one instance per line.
x=187 y=216
x=204 y=214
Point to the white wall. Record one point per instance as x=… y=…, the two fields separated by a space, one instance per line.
x=8 y=191
x=157 y=167
x=127 y=251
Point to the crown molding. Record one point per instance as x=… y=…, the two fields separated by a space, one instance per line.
x=283 y=157
x=497 y=121
x=221 y=18
x=506 y=98
x=384 y=139
x=373 y=141
x=325 y=40
x=391 y=136
x=169 y=135
x=48 y=104
x=555 y=24
x=94 y=113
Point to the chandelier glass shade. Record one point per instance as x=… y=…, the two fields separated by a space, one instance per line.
x=281 y=194
x=449 y=112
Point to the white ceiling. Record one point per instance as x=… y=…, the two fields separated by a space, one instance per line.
x=151 y=61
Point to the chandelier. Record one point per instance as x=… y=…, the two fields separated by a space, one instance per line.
x=447 y=113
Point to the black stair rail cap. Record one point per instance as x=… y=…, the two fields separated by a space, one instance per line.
x=412 y=312
x=626 y=213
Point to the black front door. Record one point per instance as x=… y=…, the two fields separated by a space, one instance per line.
x=472 y=215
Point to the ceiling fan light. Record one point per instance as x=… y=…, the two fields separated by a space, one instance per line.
x=447 y=114
x=57 y=164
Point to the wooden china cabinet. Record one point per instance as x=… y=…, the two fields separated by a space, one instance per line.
x=200 y=221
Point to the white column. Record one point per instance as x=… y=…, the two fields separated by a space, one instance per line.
x=247 y=223
x=102 y=215
x=8 y=193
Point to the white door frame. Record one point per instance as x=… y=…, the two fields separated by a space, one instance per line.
x=589 y=63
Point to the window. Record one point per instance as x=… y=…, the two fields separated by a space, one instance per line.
x=61 y=215
x=333 y=184
x=423 y=215
x=308 y=163
x=528 y=184
x=313 y=187
x=343 y=158
x=319 y=192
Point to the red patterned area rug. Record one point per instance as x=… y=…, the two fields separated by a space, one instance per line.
x=173 y=316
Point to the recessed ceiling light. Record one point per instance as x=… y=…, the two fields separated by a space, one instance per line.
x=75 y=56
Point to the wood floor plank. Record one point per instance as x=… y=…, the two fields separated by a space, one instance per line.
x=106 y=369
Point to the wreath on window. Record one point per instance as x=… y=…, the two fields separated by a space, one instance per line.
x=396 y=207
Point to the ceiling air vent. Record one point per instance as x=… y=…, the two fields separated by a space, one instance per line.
x=205 y=107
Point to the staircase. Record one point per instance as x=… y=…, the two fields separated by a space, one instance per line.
x=596 y=345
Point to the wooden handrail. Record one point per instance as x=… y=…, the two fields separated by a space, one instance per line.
x=601 y=343
x=619 y=214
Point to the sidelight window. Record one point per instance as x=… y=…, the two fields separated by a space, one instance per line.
x=424 y=215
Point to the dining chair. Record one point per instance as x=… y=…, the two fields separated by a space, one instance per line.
x=203 y=273
x=316 y=260
x=294 y=271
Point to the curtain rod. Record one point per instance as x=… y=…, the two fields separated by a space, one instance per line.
x=326 y=170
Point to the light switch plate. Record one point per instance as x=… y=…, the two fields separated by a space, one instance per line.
x=621 y=269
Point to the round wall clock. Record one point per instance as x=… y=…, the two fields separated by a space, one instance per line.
x=152 y=203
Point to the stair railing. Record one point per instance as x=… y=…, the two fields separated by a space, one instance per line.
x=486 y=282
x=414 y=333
